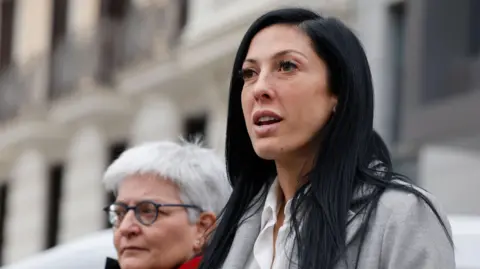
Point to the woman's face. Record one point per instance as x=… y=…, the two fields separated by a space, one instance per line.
x=169 y=241
x=285 y=97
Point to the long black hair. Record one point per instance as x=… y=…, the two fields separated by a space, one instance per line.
x=344 y=161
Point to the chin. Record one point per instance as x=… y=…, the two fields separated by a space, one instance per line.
x=268 y=149
x=133 y=263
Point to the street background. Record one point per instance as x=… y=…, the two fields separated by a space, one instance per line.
x=81 y=80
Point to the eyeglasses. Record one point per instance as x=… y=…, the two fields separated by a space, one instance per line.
x=146 y=212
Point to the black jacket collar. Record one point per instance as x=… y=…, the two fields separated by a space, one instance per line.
x=112 y=264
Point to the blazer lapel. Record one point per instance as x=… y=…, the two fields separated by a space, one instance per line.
x=248 y=232
x=354 y=225
x=245 y=237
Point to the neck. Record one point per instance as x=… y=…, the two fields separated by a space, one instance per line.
x=291 y=174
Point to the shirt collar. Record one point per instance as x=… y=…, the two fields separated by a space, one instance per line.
x=270 y=209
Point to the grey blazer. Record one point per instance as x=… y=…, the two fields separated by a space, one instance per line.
x=404 y=234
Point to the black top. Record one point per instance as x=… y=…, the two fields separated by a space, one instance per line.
x=112 y=264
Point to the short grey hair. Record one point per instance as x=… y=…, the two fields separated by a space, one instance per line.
x=198 y=172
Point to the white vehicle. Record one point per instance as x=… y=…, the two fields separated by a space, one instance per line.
x=91 y=252
x=466 y=237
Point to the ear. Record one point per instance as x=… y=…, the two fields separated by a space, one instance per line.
x=205 y=226
x=334 y=103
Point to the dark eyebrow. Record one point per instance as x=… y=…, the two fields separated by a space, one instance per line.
x=137 y=201
x=278 y=54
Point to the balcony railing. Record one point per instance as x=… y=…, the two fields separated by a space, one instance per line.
x=137 y=38
x=147 y=33
x=10 y=92
x=19 y=86
x=72 y=60
x=144 y=34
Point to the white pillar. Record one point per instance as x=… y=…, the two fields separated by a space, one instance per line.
x=83 y=192
x=372 y=29
x=453 y=176
x=217 y=99
x=157 y=119
x=216 y=128
x=83 y=15
x=27 y=207
x=33 y=23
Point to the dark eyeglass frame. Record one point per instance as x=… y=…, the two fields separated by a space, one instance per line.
x=136 y=212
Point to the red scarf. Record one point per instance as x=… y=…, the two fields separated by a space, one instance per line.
x=192 y=264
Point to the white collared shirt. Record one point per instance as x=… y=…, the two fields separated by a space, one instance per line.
x=262 y=254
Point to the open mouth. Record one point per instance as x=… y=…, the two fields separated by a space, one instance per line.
x=267 y=120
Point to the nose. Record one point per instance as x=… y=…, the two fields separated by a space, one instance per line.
x=129 y=225
x=263 y=90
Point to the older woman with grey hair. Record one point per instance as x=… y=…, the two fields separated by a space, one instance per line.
x=167 y=198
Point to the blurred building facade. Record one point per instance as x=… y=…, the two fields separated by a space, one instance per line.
x=81 y=80
x=439 y=121
x=425 y=57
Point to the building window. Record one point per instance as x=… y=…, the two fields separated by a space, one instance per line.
x=113 y=16
x=474 y=27
x=115 y=150
x=181 y=21
x=7 y=14
x=59 y=22
x=445 y=73
x=3 y=217
x=55 y=179
x=397 y=38
x=183 y=16
x=58 y=47
x=195 y=128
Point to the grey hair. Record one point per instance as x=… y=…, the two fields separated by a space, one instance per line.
x=198 y=172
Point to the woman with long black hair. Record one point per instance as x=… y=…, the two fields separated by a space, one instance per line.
x=313 y=182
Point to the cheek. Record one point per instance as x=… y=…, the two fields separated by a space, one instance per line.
x=116 y=239
x=321 y=112
x=311 y=111
x=246 y=105
x=171 y=239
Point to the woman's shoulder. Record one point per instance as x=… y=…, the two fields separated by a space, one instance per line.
x=414 y=216
x=407 y=231
x=403 y=205
x=409 y=202
x=413 y=229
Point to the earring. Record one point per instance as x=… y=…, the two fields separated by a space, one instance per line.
x=334 y=108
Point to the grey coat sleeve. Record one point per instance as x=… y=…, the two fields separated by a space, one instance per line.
x=414 y=238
